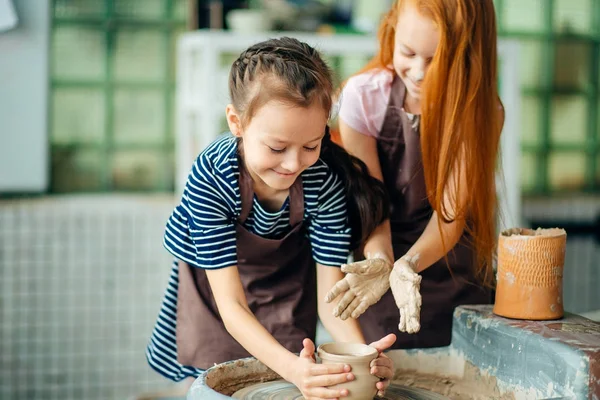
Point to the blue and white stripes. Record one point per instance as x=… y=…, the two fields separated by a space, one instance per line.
x=161 y=352
x=201 y=230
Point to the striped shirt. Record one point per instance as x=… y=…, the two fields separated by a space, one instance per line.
x=201 y=229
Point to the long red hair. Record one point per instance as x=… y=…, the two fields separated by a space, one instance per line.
x=461 y=114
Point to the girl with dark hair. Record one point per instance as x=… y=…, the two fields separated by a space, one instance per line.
x=259 y=210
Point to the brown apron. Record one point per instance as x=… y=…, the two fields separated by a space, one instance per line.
x=399 y=149
x=279 y=280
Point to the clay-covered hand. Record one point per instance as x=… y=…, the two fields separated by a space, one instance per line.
x=383 y=366
x=405 y=284
x=313 y=379
x=364 y=284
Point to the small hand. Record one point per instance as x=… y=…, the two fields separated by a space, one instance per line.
x=364 y=284
x=405 y=284
x=383 y=366
x=312 y=379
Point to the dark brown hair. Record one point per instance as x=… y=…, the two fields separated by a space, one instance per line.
x=291 y=71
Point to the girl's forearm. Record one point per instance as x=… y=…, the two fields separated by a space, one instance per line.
x=341 y=331
x=380 y=242
x=243 y=326
x=429 y=247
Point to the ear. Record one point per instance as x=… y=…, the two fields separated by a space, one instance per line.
x=233 y=120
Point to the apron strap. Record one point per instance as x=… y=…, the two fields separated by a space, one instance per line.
x=296 y=202
x=398 y=92
x=247 y=196
x=246 y=191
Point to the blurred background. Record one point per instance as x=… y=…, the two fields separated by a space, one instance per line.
x=101 y=114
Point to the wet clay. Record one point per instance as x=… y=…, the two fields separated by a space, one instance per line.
x=472 y=386
x=227 y=380
x=407 y=384
x=359 y=357
x=530 y=271
x=282 y=390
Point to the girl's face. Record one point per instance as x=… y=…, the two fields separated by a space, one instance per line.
x=280 y=141
x=415 y=43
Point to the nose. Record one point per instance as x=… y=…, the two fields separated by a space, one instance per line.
x=292 y=162
x=418 y=69
x=419 y=75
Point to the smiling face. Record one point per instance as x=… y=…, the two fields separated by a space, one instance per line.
x=280 y=141
x=415 y=43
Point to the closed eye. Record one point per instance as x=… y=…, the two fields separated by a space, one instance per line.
x=407 y=53
x=311 y=148
x=277 y=151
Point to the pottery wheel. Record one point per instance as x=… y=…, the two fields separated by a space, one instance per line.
x=283 y=390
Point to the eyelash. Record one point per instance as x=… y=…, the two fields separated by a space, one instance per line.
x=411 y=55
x=279 y=151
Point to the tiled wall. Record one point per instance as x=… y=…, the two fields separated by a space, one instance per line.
x=81 y=280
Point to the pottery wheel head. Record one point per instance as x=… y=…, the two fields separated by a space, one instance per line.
x=283 y=390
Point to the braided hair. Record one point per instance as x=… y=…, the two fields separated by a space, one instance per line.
x=291 y=71
x=283 y=69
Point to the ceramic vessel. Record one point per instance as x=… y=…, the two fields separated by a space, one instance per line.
x=359 y=357
x=248 y=21
x=530 y=273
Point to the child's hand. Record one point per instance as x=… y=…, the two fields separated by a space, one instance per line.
x=383 y=366
x=364 y=284
x=312 y=379
x=405 y=284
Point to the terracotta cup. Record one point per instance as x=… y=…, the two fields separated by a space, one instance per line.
x=359 y=357
x=530 y=273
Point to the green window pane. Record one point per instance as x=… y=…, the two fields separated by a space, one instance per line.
x=224 y=127
x=530 y=62
x=598 y=58
x=139 y=116
x=530 y=120
x=180 y=9
x=67 y=60
x=77 y=115
x=79 y=8
x=137 y=169
x=227 y=59
x=76 y=170
x=598 y=121
x=572 y=65
x=566 y=171
x=168 y=170
x=173 y=38
x=568 y=124
x=139 y=55
x=349 y=65
x=597 y=180
x=170 y=111
x=140 y=9
x=529 y=172
x=524 y=15
x=573 y=16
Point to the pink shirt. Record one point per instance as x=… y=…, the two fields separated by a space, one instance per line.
x=364 y=101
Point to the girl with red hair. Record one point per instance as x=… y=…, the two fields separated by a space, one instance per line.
x=425 y=117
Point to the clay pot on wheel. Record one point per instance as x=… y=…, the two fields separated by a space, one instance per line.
x=530 y=271
x=359 y=357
